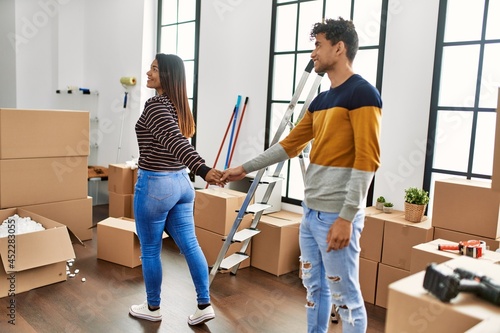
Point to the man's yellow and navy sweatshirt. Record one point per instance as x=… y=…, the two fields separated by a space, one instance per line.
x=344 y=126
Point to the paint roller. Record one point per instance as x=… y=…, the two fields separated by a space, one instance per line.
x=127 y=81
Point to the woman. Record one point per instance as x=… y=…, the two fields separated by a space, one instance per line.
x=164 y=194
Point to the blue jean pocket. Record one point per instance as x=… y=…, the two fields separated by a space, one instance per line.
x=160 y=188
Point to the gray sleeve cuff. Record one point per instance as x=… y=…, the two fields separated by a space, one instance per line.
x=272 y=155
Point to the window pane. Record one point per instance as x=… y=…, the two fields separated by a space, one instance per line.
x=186 y=42
x=302 y=61
x=169 y=12
x=187 y=10
x=453 y=133
x=336 y=8
x=189 y=66
x=283 y=77
x=310 y=13
x=169 y=39
x=367 y=21
x=485 y=138
x=365 y=64
x=458 y=82
x=296 y=187
x=464 y=19
x=286 y=20
x=490 y=80
x=493 y=23
x=278 y=111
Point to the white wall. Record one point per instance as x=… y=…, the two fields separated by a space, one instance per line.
x=406 y=93
x=92 y=43
x=8 y=62
x=233 y=60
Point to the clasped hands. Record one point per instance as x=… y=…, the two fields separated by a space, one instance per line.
x=220 y=178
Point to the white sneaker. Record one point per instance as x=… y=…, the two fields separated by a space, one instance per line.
x=201 y=316
x=142 y=311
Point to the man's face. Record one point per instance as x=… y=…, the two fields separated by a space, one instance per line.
x=324 y=54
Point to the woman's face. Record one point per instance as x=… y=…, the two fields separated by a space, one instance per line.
x=154 y=77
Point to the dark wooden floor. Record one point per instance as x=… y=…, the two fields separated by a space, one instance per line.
x=250 y=301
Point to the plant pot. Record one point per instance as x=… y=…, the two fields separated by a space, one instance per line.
x=414 y=213
x=379 y=205
x=387 y=210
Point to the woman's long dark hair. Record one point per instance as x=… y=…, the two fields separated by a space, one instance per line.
x=173 y=84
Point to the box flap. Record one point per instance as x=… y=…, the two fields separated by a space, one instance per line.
x=277 y=222
x=123 y=223
x=38 y=248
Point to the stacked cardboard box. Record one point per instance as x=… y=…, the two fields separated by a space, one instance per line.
x=276 y=248
x=466 y=209
x=411 y=308
x=121 y=182
x=215 y=210
x=386 y=244
x=43 y=165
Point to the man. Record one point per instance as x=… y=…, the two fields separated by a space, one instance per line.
x=345 y=125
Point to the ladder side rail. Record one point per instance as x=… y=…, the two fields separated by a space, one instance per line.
x=236 y=224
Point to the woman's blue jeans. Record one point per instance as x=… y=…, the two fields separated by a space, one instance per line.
x=331 y=276
x=163 y=201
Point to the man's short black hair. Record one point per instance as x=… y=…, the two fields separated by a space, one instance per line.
x=336 y=31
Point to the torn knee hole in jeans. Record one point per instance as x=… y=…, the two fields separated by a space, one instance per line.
x=334 y=278
x=306 y=267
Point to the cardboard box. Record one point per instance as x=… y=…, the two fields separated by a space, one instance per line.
x=287 y=215
x=368 y=271
x=117 y=242
x=386 y=276
x=399 y=238
x=120 y=205
x=424 y=254
x=121 y=179
x=45 y=133
x=495 y=178
x=413 y=309
x=455 y=236
x=42 y=180
x=211 y=244
x=40 y=257
x=74 y=214
x=372 y=237
x=215 y=209
x=276 y=248
x=468 y=206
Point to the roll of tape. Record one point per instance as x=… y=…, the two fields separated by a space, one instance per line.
x=128 y=80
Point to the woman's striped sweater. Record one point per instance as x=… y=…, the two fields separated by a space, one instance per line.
x=162 y=147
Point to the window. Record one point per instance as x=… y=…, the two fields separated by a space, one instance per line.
x=464 y=93
x=178 y=33
x=291 y=48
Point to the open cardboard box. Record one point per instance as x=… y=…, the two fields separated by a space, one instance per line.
x=117 y=241
x=34 y=259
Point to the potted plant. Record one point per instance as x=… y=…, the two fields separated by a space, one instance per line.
x=416 y=201
x=380 y=203
x=388 y=206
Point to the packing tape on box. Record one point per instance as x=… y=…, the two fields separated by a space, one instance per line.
x=128 y=80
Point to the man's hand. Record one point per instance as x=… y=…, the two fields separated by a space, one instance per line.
x=233 y=174
x=214 y=176
x=339 y=234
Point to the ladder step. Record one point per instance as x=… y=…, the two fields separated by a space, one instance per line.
x=266 y=179
x=232 y=260
x=258 y=207
x=245 y=234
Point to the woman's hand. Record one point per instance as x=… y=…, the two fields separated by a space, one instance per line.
x=214 y=177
